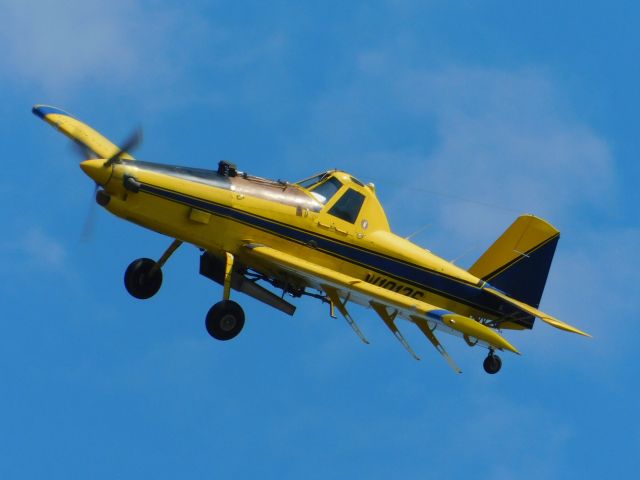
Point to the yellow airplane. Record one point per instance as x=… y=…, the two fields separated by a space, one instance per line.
x=326 y=237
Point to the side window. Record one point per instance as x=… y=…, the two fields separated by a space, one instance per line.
x=326 y=190
x=348 y=206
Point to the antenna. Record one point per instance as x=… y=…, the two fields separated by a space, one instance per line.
x=468 y=250
x=420 y=230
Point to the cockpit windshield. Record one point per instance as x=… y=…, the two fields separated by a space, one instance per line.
x=322 y=186
x=310 y=182
x=325 y=190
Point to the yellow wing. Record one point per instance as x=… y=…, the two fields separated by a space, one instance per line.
x=341 y=288
x=79 y=131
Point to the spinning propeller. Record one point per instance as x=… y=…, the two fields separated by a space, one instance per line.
x=85 y=153
x=130 y=143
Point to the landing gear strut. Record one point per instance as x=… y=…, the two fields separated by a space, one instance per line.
x=226 y=318
x=492 y=363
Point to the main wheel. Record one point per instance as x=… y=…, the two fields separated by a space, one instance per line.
x=141 y=280
x=225 y=320
x=492 y=364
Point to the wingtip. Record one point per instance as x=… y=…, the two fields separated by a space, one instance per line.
x=503 y=344
x=43 y=110
x=37 y=112
x=511 y=348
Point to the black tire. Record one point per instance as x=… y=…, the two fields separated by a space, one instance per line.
x=139 y=281
x=492 y=364
x=225 y=320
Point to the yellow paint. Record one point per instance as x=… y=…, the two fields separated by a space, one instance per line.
x=228 y=272
x=199 y=216
x=537 y=313
x=306 y=265
x=526 y=233
x=79 y=131
x=97 y=170
x=362 y=291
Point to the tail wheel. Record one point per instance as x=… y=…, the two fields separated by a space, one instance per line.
x=143 y=278
x=225 y=320
x=492 y=363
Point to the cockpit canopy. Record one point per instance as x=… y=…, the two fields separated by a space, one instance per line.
x=347 y=198
x=325 y=185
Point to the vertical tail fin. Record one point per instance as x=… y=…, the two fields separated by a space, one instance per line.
x=518 y=262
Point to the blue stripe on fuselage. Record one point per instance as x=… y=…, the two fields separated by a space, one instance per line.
x=448 y=287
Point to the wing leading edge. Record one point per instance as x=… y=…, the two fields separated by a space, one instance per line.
x=79 y=132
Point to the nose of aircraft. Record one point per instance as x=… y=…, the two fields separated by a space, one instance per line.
x=95 y=169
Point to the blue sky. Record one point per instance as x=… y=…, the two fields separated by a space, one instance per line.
x=465 y=114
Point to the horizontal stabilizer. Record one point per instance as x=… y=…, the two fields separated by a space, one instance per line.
x=79 y=132
x=554 y=322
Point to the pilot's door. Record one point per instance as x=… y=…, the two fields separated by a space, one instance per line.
x=341 y=214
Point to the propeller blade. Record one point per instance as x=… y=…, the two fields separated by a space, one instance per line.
x=82 y=151
x=130 y=143
x=90 y=219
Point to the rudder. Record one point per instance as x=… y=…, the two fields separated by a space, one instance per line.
x=518 y=262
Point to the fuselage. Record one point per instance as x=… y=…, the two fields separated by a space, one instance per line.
x=336 y=222
x=326 y=236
